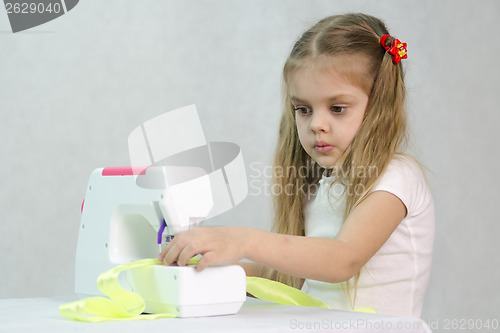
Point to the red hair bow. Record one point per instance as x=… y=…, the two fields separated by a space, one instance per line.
x=397 y=49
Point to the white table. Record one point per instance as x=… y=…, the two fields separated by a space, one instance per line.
x=41 y=315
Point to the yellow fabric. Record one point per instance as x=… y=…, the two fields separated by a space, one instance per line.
x=125 y=305
x=280 y=293
x=367 y=310
x=121 y=304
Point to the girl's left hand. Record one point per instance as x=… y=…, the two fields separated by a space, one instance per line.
x=217 y=245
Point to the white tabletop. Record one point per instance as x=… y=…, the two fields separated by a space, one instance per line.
x=41 y=315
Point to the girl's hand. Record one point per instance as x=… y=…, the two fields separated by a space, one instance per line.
x=217 y=245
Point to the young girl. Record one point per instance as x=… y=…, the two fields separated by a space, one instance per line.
x=354 y=218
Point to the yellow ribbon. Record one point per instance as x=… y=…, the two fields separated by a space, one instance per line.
x=121 y=304
x=280 y=293
x=125 y=305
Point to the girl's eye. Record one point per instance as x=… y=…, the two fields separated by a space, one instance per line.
x=338 y=109
x=302 y=110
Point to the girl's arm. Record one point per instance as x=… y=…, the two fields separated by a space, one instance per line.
x=330 y=260
x=252 y=268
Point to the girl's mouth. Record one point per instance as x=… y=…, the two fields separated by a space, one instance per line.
x=323 y=147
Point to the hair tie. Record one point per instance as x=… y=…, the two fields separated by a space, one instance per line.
x=397 y=49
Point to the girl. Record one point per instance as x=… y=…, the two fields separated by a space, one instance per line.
x=358 y=224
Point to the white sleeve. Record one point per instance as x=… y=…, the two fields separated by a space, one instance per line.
x=405 y=179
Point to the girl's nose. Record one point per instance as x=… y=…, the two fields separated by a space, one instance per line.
x=319 y=121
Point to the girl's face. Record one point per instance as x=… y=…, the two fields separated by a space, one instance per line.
x=329 y=111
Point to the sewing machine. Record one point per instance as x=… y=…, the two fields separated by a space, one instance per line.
x=131 y=213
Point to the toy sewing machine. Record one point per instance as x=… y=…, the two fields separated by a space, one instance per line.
x=176 y=181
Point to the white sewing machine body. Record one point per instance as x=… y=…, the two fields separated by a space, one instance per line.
x=129 y=213
x=119 y=224
x=187 y=293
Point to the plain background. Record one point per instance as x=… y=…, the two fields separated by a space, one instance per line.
x=73 y=89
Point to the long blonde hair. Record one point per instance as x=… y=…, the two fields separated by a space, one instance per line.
x=381 y=135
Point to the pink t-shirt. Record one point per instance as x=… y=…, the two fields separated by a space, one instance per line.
x=395 y=279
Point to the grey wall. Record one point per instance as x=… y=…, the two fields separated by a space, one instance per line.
x=72 y=90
